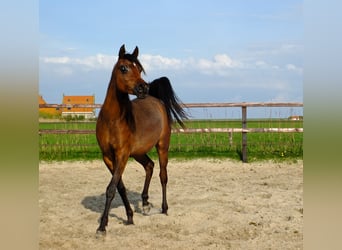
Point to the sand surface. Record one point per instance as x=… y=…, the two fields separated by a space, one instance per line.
x=213 y=204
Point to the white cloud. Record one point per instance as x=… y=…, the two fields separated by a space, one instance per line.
x=260 y=64
x=156 y=62
x=56 y=60
x=294 y=68
x=99 y=61
x=220 y=64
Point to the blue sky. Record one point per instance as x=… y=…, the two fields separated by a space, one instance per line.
x=212 y=51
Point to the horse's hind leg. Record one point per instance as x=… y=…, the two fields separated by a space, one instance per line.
x=163 y=160
x=148 y=165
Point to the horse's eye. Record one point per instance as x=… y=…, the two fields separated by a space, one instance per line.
x=123 y=69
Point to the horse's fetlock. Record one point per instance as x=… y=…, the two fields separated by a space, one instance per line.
x=145 y=198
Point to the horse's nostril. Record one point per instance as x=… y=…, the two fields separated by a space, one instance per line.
x=141 y=90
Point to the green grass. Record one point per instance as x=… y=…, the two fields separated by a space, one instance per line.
x=261 y=146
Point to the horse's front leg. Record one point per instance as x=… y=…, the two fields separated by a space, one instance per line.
x=110 y=193
x=123 y=194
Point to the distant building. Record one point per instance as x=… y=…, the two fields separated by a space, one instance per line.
x=78 y=112
x=51 y=112
x=296 y=118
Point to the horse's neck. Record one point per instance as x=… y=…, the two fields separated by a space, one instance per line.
x=116 y=104
x=111 y=107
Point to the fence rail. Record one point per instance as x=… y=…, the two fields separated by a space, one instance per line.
x=192 y=105
x=244 y=130
x=188 y=130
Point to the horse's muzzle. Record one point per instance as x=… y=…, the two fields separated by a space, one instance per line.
x=141 y=90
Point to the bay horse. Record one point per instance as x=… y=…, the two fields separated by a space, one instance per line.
x=128 y=128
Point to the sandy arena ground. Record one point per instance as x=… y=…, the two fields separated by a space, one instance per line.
x=213 y=204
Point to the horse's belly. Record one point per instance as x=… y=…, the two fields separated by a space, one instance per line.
x=142 y=146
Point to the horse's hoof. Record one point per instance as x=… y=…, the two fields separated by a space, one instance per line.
x=100 y=233
x=146 y=209
x=129 y=222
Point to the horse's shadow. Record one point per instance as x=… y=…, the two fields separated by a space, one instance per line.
x=96 y=203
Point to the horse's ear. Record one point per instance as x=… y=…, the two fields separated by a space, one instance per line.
x=122 y=51
x=136 y=52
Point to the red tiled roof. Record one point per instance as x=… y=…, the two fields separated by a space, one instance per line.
x=73 y=99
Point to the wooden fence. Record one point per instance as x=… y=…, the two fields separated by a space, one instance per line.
x=244 y=128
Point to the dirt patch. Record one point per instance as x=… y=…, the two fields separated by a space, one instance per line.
x=213 y=204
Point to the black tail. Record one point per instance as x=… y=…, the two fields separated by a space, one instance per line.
x=161 y=88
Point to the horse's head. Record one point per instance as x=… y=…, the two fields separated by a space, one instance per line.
x=127 y=72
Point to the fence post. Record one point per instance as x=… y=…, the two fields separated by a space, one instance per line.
x=244 y=134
